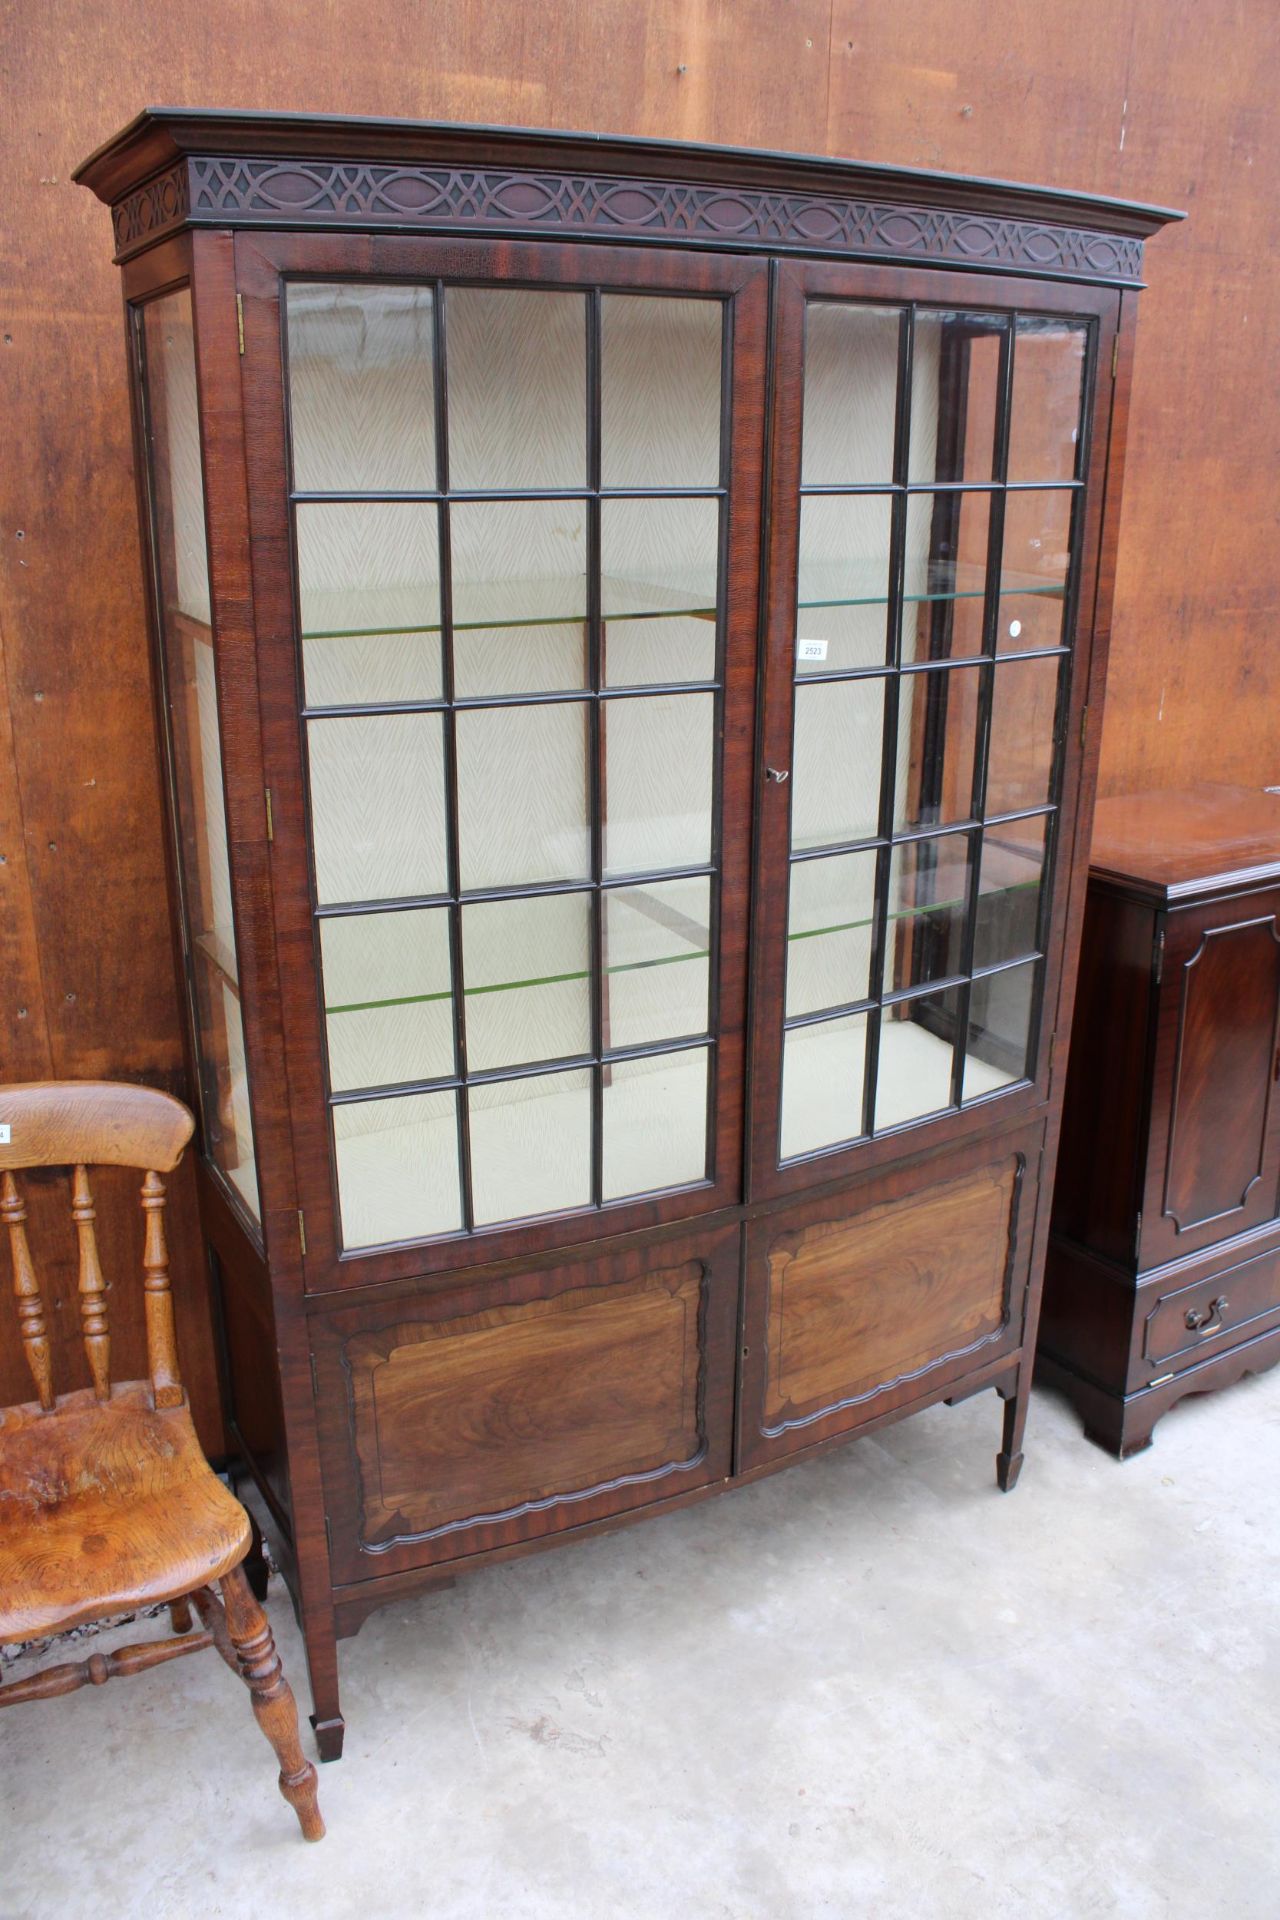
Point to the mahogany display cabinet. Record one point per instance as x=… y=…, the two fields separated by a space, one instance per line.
x=1163 y=1271
x=630 y=624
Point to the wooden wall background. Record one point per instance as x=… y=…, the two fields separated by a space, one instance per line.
x=1127 y=97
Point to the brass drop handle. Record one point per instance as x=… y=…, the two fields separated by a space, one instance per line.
x=1207 y=1319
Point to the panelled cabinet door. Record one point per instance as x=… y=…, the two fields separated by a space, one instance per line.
x=932 y=562
x=1215 y=1155
x=509 y=654
x=503 y=1411
x=859 y=1302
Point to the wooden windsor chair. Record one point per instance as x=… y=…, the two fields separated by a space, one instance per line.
x=107 y=1503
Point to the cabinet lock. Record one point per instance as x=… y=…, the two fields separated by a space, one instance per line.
x=777 y=774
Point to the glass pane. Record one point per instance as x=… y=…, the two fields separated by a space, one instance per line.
x=1048 y=381
x=531 y=1145
x=658 y=778
x=835 y=774
x=388 y=1002
x=369 y=597
x=659 y=565
x=829 y=927
x=1020 y=754
x=657 y=943
x=1013 y=858
x=660 y=391
x=937 y=736
x=822 y=1074
x=519 y=570
x=1000 y=1013
x=517 y=371
x=177 y=488
x=522 y=795
x=913 y=1072
x=361 y=401
x=944 y=581
x=850 y=394
x=928 y=896
x=655 y=1122
x=526 y=968
x=955 y=385
x=377 y=806
x=843 y=620
x=397 y=1163
x=1033 y=577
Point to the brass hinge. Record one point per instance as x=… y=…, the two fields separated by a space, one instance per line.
x=1157 y=968
x=315 y=1383
x=1137 y=1233
x=240 y=320
x=1084 y=726
x=1115 y=355
x=328 y=1536
x=302 y=1233
x=271 y=825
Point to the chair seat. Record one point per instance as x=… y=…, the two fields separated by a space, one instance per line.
x=105 y=1507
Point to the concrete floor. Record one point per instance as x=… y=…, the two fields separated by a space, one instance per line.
x=870 y=1686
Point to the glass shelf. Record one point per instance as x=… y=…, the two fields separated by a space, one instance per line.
x=1022 y=874
x=361 y=612
x=837 y=584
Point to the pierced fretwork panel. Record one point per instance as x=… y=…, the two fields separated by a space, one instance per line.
x=513 y=681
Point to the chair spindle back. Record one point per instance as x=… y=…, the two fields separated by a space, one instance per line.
x=81 y=1124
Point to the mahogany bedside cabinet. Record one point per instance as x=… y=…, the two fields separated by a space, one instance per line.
x=1164 y=1257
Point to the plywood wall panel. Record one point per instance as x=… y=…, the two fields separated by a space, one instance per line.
x=1174 y=106
x=1119 y=96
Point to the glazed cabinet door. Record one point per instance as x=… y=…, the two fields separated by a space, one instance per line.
x=507 y=504
x=1215 y=1124
x=932 y=566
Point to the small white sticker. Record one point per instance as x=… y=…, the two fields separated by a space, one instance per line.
x=4 y=1133
x=1015 y=628
x=811 y=649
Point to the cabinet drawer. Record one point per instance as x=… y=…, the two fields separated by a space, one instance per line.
x=517 y=1407
x=1232 y=1304
x=860 y=1303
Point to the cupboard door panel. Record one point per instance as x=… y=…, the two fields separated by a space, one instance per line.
x=516 y=1408
x=862 y=1301
x=1216 y=1118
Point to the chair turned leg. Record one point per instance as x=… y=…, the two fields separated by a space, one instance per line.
x=273 y=1701
x=180 y=1615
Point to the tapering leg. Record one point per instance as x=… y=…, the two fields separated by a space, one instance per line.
x=1009 y=1458
x=273 y=1701
x=322 y=1665
x=180 y=1615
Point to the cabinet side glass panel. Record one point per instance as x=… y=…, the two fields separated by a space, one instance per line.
x=939 y=528
x=194 y=740
x=512 y=693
